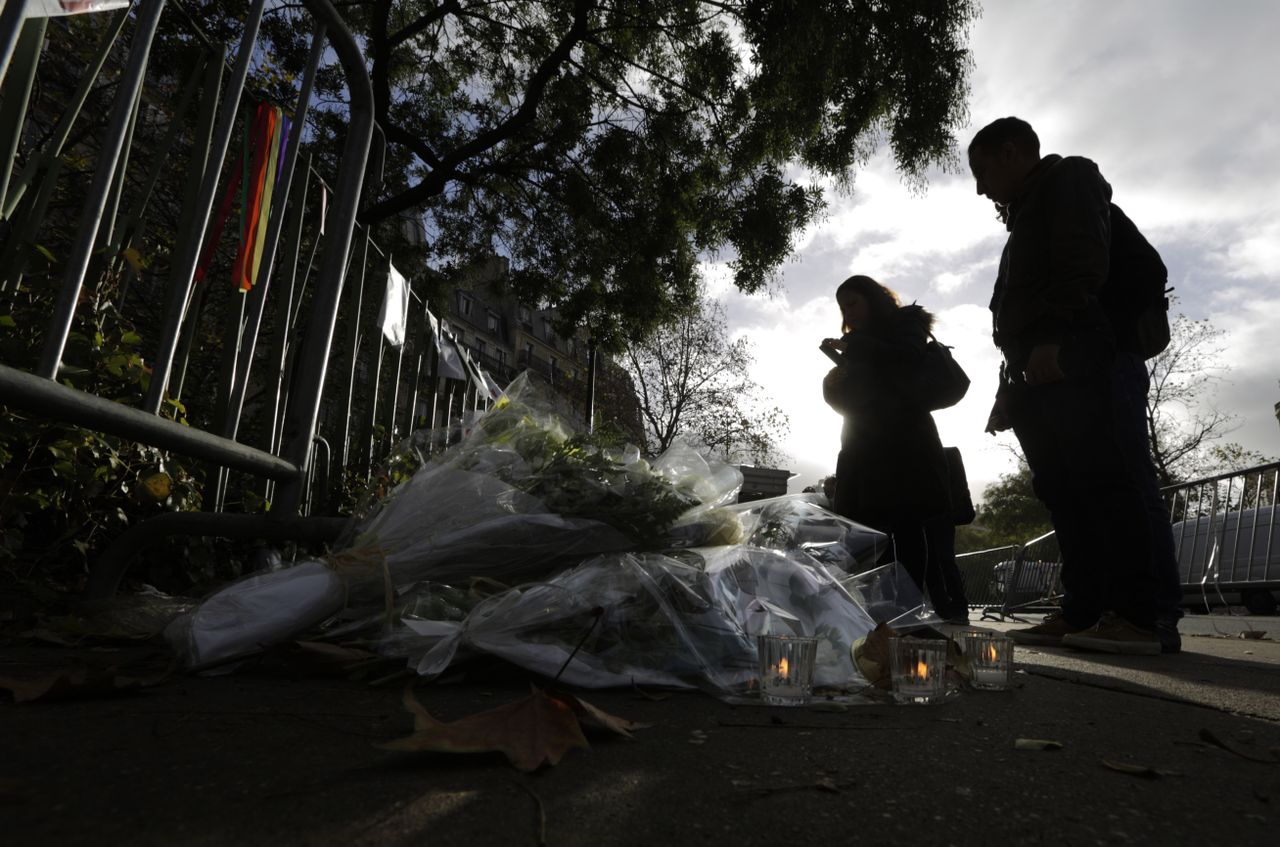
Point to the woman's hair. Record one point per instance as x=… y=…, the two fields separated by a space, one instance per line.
x=881 y=301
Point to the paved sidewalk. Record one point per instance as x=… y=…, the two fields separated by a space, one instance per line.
x=259 y=759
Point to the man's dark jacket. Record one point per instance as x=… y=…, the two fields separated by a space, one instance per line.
x=1055 y=260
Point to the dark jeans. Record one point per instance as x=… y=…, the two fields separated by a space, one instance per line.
x=927 y=551
x=1068 y=433
x=1130 y=384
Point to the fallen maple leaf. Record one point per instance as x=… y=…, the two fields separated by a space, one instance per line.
x=533 y=731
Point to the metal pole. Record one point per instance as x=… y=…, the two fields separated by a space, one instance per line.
x=91 y=218
x=13 y=111
x=353 y=345
x=394 y=405
x=249 y=341
x=304 y=402
x=591 y=388
x=133 y=224
x=53 y=149
x=184 y=271
x=117 y=185
x=11 y=16
x=278 y=358
x=371 y=420
x=411 y=419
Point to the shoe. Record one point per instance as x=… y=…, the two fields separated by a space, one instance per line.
x=1170 y=640
x=1114 y=634
x=1048 y=633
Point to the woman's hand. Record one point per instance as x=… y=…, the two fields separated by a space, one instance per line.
x=835 y=344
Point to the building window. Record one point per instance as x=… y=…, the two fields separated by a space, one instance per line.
x=546 y=330
x=528 y=349
x=480 y=346
x=464 y=305
x=526 y=317
x=493 y=322
x=502 y=356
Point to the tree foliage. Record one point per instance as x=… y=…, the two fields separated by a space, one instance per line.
x=1186 y=428
x=1010 y=513
x=693 y=383
x=605 y=145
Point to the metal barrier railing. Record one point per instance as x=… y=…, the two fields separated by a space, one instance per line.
x=1021 y=578
x=1226 y=532
x=114 y=216
x=978 y=572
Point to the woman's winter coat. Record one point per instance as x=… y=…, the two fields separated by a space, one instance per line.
x=891 y=464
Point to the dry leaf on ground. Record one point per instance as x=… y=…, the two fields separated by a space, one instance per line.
x=1270 y=759
x=1145 y=771
x=533 y=731
x=1036 y=744
x=597 y=718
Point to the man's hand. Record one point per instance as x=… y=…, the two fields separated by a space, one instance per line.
x=1042 y=366
x=998 y=420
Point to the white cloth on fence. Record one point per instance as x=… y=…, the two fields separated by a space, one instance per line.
x=394 y=316
x=450 y=365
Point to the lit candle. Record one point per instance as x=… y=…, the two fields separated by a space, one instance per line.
x=917 y=666
x=990 y=660
x=786 y=668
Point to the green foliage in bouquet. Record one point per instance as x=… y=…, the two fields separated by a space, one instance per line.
x=578 y=476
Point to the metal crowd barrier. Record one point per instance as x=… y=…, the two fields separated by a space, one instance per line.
x=287 y=461
x=1007 y=581
x=1227 y=537
x=1226 y=534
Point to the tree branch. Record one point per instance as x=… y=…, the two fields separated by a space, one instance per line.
x=435 y=182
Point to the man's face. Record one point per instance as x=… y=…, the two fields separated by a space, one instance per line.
x=998 y=172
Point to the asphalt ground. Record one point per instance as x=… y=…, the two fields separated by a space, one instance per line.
x=1173 y=749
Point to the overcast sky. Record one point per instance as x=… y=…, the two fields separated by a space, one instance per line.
x=1176 y=102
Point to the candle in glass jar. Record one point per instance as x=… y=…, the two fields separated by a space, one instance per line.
x=990 y=660
x=918 y=667
x=786 y=668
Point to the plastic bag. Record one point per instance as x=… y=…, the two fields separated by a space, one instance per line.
x=802 y=522
x=659 y=620
x=890 y=596
x=263 y=608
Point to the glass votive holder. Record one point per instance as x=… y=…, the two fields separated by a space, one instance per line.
x=786 y=668
x=990 y=660
x=918 y=669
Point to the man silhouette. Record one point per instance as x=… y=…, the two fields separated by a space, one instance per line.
x=1057 y=390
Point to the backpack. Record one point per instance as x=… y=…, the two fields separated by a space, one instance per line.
x=1134 y=296
x=941 y=382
